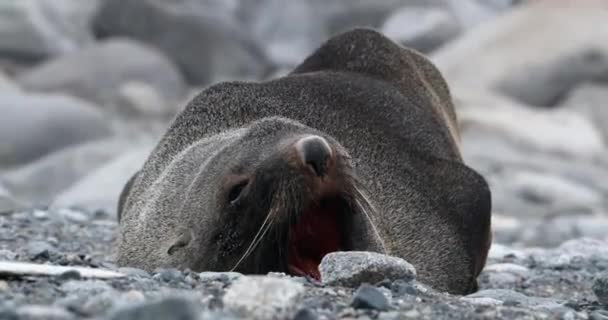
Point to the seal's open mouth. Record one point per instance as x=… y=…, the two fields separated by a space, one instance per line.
x=318 y=232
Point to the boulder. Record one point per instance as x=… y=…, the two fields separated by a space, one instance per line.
x=291 y=29
x=535 y=53
x=560 y=132
x=42 y=180
x=99 y=73
x=421 y=28
x=207 y=47
x=32 y=126
x=590 y=99
x=36 y=29
x=101 y=189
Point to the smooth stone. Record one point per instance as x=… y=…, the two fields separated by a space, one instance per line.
x=352 y=268
x=515 y=298
x=560 y=132
x=211 y=47
x=369 y=297
x=590 y=99
x=136 y=98
x=7 y=85
x=263 y=297
x=31 y=30
x=169 y=275
x=20 y=269
x=600 y=288
x=8 y=203
x=134 y=272
x=41 y=181
x=99 y=72
x=546 y=48
x=599 y=315
x=101 y=189
x=35 y=125
x=421 y=28
x=85 y=287
x=40 y=312
x=40 y=249
x=219 y=276
x=168 y=308
x=285 y=28
x=305 y=314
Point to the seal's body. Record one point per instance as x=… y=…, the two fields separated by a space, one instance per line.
x=356 y=149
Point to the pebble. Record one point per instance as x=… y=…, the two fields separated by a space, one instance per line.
x=168 y=308
x=369 y=297
x=352 y=268
x=600 y=288
x=40 y=312
x=134 y=272
x=169 y=275
x=305 y=314
x=40 y=249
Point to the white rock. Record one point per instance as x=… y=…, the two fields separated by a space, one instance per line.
x=41 y=28
x=263 y=297
x=548 y=188
x=32 y=126
x=98 y=72
x=559 y=131
x=42 y=180
x=101 y=189
x=536 y=52
x=592 y=101
x=32 y=269
x=421 y=28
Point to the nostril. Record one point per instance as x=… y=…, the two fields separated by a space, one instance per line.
x=315 y=152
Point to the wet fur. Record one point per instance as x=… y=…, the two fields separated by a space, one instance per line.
x=387 y=106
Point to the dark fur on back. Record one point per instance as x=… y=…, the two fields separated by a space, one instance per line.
x=388 y=107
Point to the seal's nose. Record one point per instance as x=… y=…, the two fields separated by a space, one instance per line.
x=315 y=152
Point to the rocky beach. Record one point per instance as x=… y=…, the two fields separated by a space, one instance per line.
x=88 y=87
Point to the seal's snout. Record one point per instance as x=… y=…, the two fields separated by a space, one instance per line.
x=315 y=152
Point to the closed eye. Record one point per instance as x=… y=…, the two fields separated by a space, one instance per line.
x=235 y=192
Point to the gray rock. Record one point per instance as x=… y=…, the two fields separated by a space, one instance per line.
x=560 y=132
x=40 y=249
x=599 y=315
x=504 y=275
x=369 y=297
x=421 y=28
x=8 y=203
x=35 y=29
x=7 y=85
x=98 y=73
x=210 y=46
x=138 y=98
x=305 y=314
x=169 y=275
x=42 y=180
x=545 y=49
x=285 y=28
x=168 y=308
x=32 y=126
x=134 y=272
x=101 y=189
x=590 y=99
x=219 y=276
x=515 y=298
x=600 y=288
x=40 y=312
x=263 y=297
x=352 y=268
x=7 y=255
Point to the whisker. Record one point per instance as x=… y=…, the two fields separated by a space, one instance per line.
x=251 y=245
x=368 y=216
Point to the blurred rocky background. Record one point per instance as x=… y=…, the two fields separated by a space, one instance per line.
x=88 y=86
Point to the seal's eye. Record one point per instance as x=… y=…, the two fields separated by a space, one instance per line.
x=235 y=193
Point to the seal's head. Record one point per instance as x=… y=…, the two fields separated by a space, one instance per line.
x=275 y=196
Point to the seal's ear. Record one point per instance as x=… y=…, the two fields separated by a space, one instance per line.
x=124 y=194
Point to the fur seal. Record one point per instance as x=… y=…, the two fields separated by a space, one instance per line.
x=355 y=149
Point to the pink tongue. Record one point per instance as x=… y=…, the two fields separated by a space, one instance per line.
x=315 y=236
